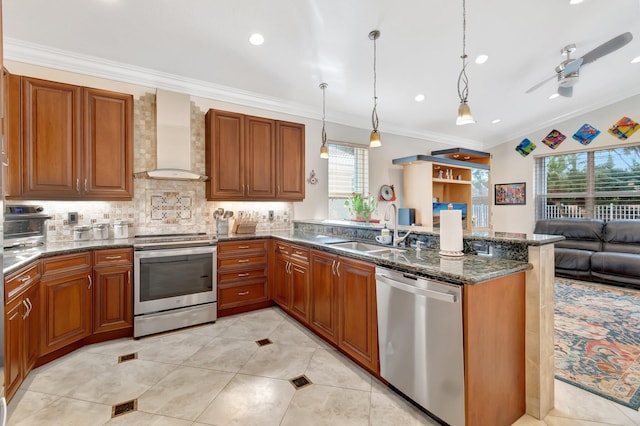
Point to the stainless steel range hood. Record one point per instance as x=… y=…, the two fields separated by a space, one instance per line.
x=173 y=127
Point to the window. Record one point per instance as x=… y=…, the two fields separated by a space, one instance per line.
x=348 y=173
x=603 y=184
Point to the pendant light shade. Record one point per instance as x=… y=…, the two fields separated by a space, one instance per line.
x=374 y=140
x=324 y=151
x=464 y=112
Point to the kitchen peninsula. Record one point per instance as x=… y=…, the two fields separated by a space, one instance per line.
x=514 y=260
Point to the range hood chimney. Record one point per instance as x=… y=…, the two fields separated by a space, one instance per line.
x=173 y=137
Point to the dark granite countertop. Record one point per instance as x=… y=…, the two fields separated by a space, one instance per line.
x=468 y=269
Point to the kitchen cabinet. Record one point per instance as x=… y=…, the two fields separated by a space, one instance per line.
x=323 y=305
x=357 y=319
x=113 y=290
x=68 y=142
x=22 y=326
x=290 y=161
x=291 y=279
x=66 y=291
x=242 y=276
x=343 y=306
x=253 y=158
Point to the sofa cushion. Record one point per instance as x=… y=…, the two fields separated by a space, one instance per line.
x=573 y=259
x=612 y=263
x=584 y=234
x=622 y=236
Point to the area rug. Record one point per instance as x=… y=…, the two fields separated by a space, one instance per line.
x=597 y=339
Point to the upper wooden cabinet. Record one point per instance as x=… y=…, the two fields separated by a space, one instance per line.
x=68 y=142
x=253 y=158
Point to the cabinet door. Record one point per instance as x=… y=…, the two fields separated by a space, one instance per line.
x=323 y=297
x=32 y=327
x=13 y=364
x=113 y=295
x=281 y=282
x=51 y=139
x=224 y=155
x=290 y=161
x=12 y=176
x=299 y=278
x=66 y=310
x=259 y=164
x=358 y=332
x=108 y=145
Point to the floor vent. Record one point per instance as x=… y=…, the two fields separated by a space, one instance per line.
x=263 y=342
x=127 y=357
x=300 y=382
x=124 y=408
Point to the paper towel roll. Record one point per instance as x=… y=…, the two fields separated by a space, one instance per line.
x=451 y=231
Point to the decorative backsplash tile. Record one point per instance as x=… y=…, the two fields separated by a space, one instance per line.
x=184 y=207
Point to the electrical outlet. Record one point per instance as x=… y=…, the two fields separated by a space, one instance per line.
x=72 y=218
x=270 y=214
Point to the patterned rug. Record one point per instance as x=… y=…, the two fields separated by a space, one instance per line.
x=597 y=339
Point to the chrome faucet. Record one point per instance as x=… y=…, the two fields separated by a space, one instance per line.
x=396 y=238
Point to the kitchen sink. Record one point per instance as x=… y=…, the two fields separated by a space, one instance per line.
x=368 y=248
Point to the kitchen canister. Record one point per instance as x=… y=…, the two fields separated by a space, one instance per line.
x=120 y=229
x=100 y=231
x=81 y=233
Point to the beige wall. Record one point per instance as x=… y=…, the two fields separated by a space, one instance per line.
x=509 y=166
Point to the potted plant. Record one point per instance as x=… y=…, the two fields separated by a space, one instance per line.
x=361 y=206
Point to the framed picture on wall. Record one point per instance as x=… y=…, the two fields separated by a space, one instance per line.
x=507 y=194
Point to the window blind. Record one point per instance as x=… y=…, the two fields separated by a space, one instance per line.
x=348 y=170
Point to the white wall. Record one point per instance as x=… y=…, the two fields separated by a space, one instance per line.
x=508 y=166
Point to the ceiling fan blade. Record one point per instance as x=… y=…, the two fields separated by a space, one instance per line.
x=542 y=83
x=607 y=47
x=573 y=66
x=567 y=92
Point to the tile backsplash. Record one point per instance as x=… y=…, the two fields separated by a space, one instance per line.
x=160 y=206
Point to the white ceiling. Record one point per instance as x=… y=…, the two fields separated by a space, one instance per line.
x=201 y=47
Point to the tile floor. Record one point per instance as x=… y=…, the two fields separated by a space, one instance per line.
x=217 y=375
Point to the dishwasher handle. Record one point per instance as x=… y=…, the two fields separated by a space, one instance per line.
x=445 y=297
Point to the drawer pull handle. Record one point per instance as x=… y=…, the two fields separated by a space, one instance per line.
x=243 y=260
x=243 y=275
x=27 y=278
x=113 y=257
x=243 y=293
x=243 y=247
x=85 y=185
x=90 y=281
x=26 y=312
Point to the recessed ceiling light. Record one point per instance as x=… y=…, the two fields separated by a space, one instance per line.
x=419 y=97
x=555 y=95
x=496 y=121
x=574 y=2
x=256 y=39
x=481 y=59
x=636 y=60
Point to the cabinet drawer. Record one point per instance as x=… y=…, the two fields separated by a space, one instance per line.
x=240 y=246
x=300 y=253
x=281 y=248
x=241 y=261
x=65 y=264
x=238 y=295
x=241 y=275
x=15 y=283
x=112 y=257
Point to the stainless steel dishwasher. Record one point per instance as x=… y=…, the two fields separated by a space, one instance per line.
x=421 y=342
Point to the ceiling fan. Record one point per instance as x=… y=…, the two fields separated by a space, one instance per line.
x=568 y=71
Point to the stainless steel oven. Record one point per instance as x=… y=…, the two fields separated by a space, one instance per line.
x=174 y=282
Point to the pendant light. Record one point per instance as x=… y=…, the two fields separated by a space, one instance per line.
x=374 y=140
x=324 y=152
x=464 y=112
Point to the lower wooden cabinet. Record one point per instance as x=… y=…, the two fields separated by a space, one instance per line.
x=242 y=276
x=323 y=297
x=113 y=290
x=291 y=279
x=22 y=326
